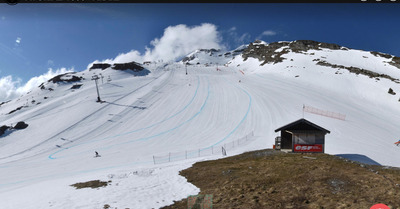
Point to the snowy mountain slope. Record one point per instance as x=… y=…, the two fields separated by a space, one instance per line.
x=211 y=56
x=168 y=111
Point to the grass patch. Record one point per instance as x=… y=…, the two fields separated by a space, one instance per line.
x=91 y=184
x=273 y=179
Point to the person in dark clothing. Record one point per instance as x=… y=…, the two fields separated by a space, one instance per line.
x=97 y=154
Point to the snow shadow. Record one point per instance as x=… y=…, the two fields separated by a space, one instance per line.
x=143 y=72
x=116 y=85
x=122 y=105
x=359 y=158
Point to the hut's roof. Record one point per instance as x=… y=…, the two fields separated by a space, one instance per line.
x=302 y=124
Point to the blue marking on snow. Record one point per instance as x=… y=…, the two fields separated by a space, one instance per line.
x=169 y=130
x=111 y=137
x=241 y=121
x=146 y=138
x=230 y=133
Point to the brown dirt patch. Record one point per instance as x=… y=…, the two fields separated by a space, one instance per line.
x=273 y=179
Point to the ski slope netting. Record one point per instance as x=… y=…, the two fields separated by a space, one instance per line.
x=324 y=113
x=207 y=151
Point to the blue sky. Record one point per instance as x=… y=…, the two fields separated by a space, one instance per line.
x=35 y=38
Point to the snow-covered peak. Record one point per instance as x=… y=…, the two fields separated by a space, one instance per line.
x=212 y=56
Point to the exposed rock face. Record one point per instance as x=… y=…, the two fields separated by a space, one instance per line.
x=77 y=86
x=4 y=102
x=18 y=108
x=357 y=71
x=21 y=125
x=268 y=54
x=391 y=91
x=304 y=45
x=265 y=53
x=3 y=129
x=187 y=59
x=100 y=66
x=211 y=52
x=379 y=54
x=395 y=60
x=134 y=66
x=66 y=77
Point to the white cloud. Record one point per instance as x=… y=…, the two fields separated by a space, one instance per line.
x=232 y=29
x=128 y=57
x=243 y=38
x=11 y=88
x=237 y=39
x=180 y=40
x=176 y=42
x=18 y=41
x=50 y=62
x=8 y=89
x=268 y=33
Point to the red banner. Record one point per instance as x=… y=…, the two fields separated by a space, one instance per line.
x=308 y=148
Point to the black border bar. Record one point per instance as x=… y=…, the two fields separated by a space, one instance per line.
x=13 y=2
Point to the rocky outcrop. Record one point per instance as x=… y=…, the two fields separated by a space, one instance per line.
x=395 y=60
x=305 y=45
x=357 y=71
x=379 y=54
x=134 y=66
x=18 y=108
x=4 y=102
x=77 y=86
x=100 y=66
x=265 y=53
x=66 y=77
x=210 y=52
x=269 y=54
x=3 y=129
x=189 y=58
x=21 y=125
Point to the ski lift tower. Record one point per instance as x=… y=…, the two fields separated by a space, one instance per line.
x=95 y=78
x=101 y=78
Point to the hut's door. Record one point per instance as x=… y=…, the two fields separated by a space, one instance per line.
x=286 y=142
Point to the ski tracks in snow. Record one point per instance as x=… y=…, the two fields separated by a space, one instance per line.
x=97 y=111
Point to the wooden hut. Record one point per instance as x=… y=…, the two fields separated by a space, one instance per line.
x=302 y=136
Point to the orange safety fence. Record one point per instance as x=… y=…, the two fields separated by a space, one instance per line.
x=330 y=114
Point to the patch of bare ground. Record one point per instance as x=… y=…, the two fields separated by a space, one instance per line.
x=273 y=179
x=91 y=184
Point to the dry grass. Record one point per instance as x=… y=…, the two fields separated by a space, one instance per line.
x=273 y=179
x=90 y=184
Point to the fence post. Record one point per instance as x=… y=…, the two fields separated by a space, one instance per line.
x=169 y=157
x=154 y=160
